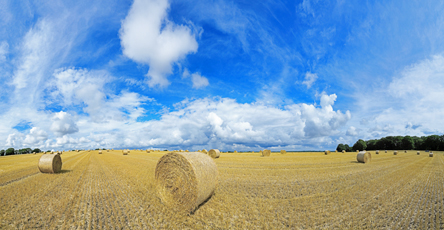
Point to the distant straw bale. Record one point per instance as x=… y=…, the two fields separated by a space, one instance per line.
x=364 y=157
x=125 y=152
x=326 y=152
x=185 y=180
x=266 y=153
x=430 y=154
x=205 y=151
x=377 y=151
x=283 y=151
x=343 y=151
x=235 y=151
x=395 y=153
x=417 y=153
x=50 y=163
x=385 y=151
x=405 y=151
x=214 y=153
x=100 y=151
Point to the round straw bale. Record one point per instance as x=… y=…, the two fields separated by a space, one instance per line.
x=417 y=153
x=185 y=180
x=205 y=151
x=357 y=151
x=50 y=163
x=377 y=151
x=364 y=157
x=385 y=151
x=266 y=153
x=343 y=151
x=100 y=151
x=283 y=151
x=125 y=152
x=235 y=151
x=326 y=152
x=431 y=154
x=107 y=150
x=405 y=151
x=214 y=153
x=395 y=153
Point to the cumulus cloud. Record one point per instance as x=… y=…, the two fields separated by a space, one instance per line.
x=35 y=137
x=198 y=80
x=310 y=78
x=81 y=87
x=14 y=139
x=224 y=123
x=351 y=131
x=148 y=37
x=63 y=123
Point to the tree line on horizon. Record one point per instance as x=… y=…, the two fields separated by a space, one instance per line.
x=432 y=142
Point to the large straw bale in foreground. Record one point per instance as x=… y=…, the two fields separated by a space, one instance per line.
x=283 y=151
x=266 y=153
x=185 y=180
x=214 y=153
x=50 y=163
x=364 y=157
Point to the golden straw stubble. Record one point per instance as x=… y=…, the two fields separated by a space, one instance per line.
x=50 y=163
x=364 y=157
x=214 y=153
x=185 y=179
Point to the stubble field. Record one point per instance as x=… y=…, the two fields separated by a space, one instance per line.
x=293 y=190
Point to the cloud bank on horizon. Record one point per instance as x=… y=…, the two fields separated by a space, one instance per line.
x=178 y=74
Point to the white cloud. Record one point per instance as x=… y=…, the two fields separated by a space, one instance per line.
x=4 y=50
x=310 y=78
x=87 y=88
x=351 y=131
x=148 y=37
x=35 y=137
x=410 y=105
x=14 y=139
x=224 y=123
x=197 y=79
x=63 y=123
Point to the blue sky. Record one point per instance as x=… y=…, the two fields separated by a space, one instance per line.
x=295 y=75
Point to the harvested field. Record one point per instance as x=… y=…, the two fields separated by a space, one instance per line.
x=284 y=191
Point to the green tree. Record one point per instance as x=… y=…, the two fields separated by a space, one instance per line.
x=371 y=144
x=432 y=142
x=348 y=148
x=2 y=152
x=10 y=151
x=36 y=151
x=360 y=145
x=408 y=143
x=341 y=147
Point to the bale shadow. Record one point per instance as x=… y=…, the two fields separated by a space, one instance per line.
x=356 y=162
x=204 y=202
x=64 y=171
